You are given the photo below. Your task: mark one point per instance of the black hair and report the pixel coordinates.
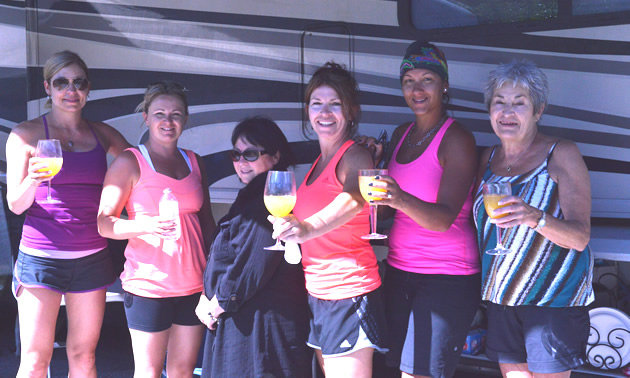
(263, 132)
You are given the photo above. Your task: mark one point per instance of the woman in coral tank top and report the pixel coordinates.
(163, 274)
(329, 218)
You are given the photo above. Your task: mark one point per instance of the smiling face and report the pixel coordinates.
(166, 118)
(69, 99)
(325, 113)
(512, 112)
(423, 90)
(247, 170)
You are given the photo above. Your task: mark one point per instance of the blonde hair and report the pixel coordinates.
(59, 61)
(159, 88)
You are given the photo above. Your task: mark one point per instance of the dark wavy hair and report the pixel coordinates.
(263, 132)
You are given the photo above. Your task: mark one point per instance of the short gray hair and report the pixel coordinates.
(522, 73)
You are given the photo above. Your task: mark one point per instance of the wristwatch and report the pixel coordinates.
(541, 222)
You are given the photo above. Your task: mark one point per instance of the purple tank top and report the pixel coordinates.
(68, 229)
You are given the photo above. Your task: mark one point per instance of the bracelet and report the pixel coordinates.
(216, 320)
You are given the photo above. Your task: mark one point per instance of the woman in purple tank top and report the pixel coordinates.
(61, 252)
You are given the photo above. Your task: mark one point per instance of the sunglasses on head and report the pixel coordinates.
(61, 83)
(249, 154)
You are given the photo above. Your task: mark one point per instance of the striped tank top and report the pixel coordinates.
(538, 272)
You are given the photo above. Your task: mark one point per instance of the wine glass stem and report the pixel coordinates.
(278, 244)
(373, 219)
(499, 241)
(48, 197)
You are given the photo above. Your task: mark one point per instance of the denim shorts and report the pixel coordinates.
(159, 314)
(344, 326)
(548, 339)
(83, 274)
(428, 316)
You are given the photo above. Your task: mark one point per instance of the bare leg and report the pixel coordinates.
(183, 348)
(356, 365)
(522, 371)
(149, 350)
(85, 318)
(37, 311)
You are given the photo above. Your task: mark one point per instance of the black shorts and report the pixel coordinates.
(548, 339)
(428, 316)
(159, 314)
(340, 327)
(83, 274)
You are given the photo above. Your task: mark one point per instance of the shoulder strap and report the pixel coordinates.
(145, 154)
(45, 126)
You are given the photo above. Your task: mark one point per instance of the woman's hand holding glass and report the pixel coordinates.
(280, 197)
(492, 194)
(50, 156)
(373, 195)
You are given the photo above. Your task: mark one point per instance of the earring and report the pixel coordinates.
(445, 90)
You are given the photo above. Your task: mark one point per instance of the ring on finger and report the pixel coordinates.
(389, 195)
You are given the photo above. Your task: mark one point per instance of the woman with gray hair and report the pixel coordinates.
(536, 294)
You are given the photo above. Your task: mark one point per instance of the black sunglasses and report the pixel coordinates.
(249, 154)
(61, 83)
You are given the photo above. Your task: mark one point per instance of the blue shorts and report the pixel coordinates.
(548, 339)
(343, 326)
(83, 274)
(159, 314)
(428, 316)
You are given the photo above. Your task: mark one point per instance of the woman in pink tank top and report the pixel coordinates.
(61, 253)
(432, 281)
(330, 216)
(163, 275)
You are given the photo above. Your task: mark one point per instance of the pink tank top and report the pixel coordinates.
(415, 249)
(338, 264)
(158, 268)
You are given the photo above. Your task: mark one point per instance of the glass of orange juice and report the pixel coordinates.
(279, 197)
(49, 152)
(492, 193)
(366, 176)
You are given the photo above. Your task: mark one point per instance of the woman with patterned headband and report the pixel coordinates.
(432, 274)
(61, 252)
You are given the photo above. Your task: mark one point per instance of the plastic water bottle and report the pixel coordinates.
(169, 209)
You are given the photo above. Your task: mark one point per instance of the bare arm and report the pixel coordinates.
(206, 219)
(119, 181)
(458, 157)
(114, 142)
(23, 177)
(568, 170)
(342, 209)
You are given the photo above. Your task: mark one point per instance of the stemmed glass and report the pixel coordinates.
(492, 193)
(366, 176)
(49, 152)
(280, 197)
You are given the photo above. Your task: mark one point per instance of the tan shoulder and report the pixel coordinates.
(125, 162)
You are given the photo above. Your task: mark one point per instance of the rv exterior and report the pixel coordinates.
(247, 57)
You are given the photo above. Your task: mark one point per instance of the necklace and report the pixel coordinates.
(508, 167)
(434, 129)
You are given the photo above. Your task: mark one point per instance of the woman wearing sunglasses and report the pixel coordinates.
(162, 277)
(61, 252)
(255, 302)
